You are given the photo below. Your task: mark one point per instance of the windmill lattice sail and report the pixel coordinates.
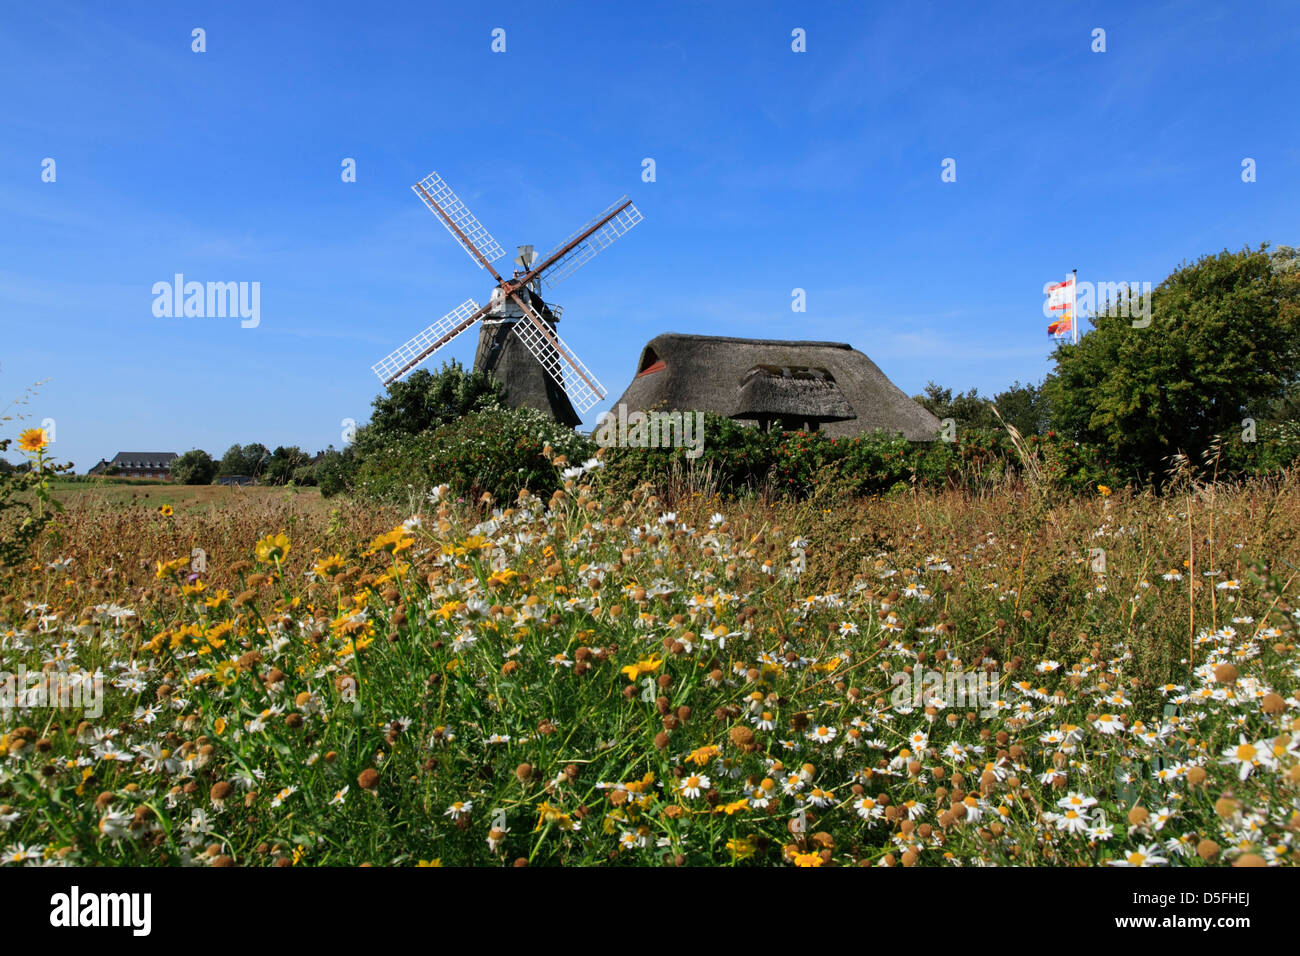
(420, 347)
(469, 232)
(627, 216)
(553, 355)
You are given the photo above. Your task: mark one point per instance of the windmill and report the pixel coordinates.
(518, 344)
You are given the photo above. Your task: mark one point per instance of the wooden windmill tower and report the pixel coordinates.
(518, 344)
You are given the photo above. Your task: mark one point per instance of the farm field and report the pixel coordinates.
(127, 494)
(937, 678)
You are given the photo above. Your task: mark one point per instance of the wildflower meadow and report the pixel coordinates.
(665, 677)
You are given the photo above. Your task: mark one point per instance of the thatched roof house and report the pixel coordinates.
(825, 386)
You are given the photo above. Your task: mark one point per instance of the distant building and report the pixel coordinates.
(138, 464)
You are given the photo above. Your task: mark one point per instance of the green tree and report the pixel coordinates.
(334, 472)
(967, 410)
(1221, 345)
(1025, 407)
(248, 460)
(195, 467)
(423, 402)
(282, 464)
(232, 462)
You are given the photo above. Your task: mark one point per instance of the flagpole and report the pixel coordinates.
(1074, 306)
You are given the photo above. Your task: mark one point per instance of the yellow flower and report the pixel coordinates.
(166, 511)
(357, 643)
(703, 755)
(327, 567)
(216, 634)
(808, 859)
(395, 541)
(226, 673)
(548, 814)
(634, 671)
(447, 610)
(34, 439)
(168, 568)
(272, 548)
(502, 578)
(434, 862)
(741, 848)
(1103, 491)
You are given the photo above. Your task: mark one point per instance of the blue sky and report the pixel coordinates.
(775, 170)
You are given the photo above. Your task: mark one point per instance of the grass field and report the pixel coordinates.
(181, 497)
(937, 679)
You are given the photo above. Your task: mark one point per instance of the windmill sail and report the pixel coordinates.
(459, 221)
(555, 357)
(419, 348)
(564, 261)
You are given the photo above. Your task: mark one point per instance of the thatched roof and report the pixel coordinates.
(716, 374)
(791, 394)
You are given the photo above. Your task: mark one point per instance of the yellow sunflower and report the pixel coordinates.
(34, 439)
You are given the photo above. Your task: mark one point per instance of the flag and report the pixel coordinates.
(1061, 295)
(1060, 298)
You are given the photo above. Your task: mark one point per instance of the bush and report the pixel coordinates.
(335, 472)
(425, 401)
(740, 460)
(195, 467)
(1274, 446)
(497, 452)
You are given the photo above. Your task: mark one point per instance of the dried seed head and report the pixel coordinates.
(1225, 807)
